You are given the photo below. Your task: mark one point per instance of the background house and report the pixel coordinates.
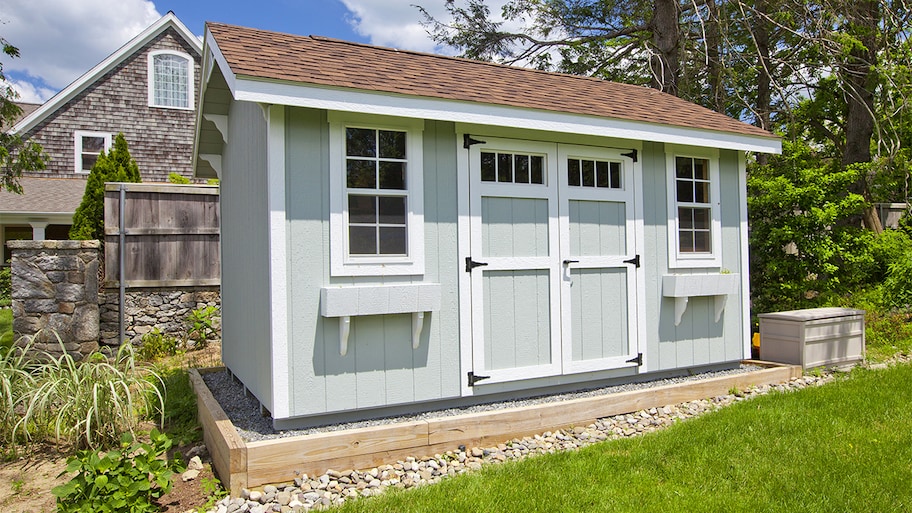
(405, 231)
(146, 89)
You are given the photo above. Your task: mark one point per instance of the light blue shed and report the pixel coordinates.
(405, 231)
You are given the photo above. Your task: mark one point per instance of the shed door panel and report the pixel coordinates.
(552, 228)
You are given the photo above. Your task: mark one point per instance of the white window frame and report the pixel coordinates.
(77, 145)
(342, 263)
(190, 79)
(677, 259)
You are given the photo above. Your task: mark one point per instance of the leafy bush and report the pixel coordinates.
(6, 286)
(156, 344)
(114, 166)
(180, 406)
(178, 179)
(90, 403)
(202, 325)
(897, 288)
(126, 480)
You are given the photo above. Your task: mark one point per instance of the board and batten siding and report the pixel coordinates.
(246, 340)
(698, 340)
(380, 368)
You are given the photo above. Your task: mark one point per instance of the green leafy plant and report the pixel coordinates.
(179, 416)
(128, 479)
(897, 288)
(89, 404)
(114, 166)
(202, 325)
(178, 179)
(156, 344)
(6, 286)
(16, 380)
(212, 487)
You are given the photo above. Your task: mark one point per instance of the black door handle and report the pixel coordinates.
(568, 262)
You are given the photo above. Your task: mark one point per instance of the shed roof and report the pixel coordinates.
(321, 61)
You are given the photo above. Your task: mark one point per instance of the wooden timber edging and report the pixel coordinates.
(245, 465)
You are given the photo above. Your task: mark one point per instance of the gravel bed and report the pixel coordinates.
(244, 411)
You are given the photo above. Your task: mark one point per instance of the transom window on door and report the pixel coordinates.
(88, 146)
(693, 209)
(376, 197)
(512, 168)
(593, 173)
(170, 80)
(376, 175)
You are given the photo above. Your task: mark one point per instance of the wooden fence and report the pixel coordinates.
(170, 235)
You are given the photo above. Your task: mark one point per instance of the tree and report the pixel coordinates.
(114, 166)
(16, 155)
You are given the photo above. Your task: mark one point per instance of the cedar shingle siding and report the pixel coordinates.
(160, 139)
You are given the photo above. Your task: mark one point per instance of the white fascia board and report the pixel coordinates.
(72, 90)
(348, 100)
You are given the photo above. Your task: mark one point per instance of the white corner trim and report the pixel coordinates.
(70, 91)
(745, 256)
(278, 264)
(463, 243)
(350, 100)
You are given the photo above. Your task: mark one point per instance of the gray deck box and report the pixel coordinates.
(813, 337)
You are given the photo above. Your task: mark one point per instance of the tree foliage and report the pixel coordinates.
(16, 154)
(114, 166)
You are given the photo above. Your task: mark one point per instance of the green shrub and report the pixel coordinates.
(202, 325)
(91, 403)
(179, 417)
(114, 166)
(129, 479)
(178, 179)
(156, 344)
(6, 286)
(897, 288)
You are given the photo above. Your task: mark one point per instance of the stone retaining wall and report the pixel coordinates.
(55, 294)
(163, 308)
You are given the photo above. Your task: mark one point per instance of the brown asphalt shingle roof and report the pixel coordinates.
(58, 195)
(332, 62)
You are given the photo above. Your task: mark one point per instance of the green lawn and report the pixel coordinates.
(6, 328)
(846, 446)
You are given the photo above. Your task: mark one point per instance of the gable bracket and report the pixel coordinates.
(632, 154)
(467, 141)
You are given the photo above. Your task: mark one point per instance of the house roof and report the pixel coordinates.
(44, 196)
(27, 108)
(253, 59)
(167, 21)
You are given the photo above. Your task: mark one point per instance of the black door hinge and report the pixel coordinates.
(475, 379)
(632, 154)
(638, 360)
(635, 261)
(470, 264)
(467, 141)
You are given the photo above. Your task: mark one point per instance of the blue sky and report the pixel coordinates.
(59, 40)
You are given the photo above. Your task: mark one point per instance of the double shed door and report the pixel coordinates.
(553, 285)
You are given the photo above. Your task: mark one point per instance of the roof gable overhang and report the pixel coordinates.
(300, 94)
(169, 20)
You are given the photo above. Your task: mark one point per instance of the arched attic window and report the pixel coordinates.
(170, 80)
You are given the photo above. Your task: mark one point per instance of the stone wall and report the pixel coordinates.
(163, 308)
(55, 294)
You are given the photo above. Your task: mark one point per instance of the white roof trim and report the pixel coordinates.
(70, 91)
(373, 102)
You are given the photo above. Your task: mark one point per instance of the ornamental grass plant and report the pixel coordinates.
(90, 403)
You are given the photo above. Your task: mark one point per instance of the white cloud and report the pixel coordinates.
(28, 92)
(59, 40)
(393, 23)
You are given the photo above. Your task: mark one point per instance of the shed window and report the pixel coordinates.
(377, 211)
(170, 80)
(88, 146)
(693, 209)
